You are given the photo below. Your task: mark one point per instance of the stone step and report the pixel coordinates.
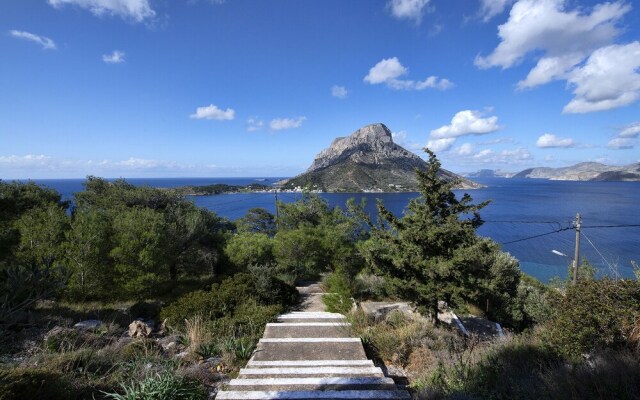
(309, 395)
(309, 363)
(307, 329)
(315, 383)
(321, 349)
(312, 316)
(292, 372)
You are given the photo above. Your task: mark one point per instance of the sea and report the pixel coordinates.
(530, 218)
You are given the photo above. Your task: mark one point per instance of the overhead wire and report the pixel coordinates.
(611, 267)
(540, 235)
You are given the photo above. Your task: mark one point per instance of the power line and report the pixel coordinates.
(613, 226)
(614, 270)
(540, 235)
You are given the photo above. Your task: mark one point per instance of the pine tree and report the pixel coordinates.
(433, 252)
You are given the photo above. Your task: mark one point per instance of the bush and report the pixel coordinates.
(34, 383)
(340, 294)
(145, 309)
(249, 248)
(188, 306)
(160, 386)
(594, 315)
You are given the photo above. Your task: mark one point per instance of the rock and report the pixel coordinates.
(88, 325)
(379, 309)
(368, 160)
(140, 328)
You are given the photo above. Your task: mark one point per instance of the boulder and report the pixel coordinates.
(88, 325)
(139, 328)
(379, 309)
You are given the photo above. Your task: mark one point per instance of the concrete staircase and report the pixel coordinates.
(310, 355)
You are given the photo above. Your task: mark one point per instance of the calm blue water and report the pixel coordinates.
(518, 209)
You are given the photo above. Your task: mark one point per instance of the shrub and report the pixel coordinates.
(145, 309)
(340, 294)
(594, 315)
(187, 306)
(161, 386)
(34, 383)
(249, 248)
(224, 299)
(63, 339)
(140, 349)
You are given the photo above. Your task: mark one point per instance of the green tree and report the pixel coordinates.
(42, 235)
(433, 253)
(17, 198)
(246, 249)
(87, 247)
(195, 238)
(257, 220)
(139, 251)
(299, 252)
(311, 210)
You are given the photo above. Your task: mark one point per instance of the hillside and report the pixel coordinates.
(587, 171)
(366, 161)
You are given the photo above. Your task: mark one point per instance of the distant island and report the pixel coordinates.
(366, 161)
(221, 188)
(586, 171)
(489, 173)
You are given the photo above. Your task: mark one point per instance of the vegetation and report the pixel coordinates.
(121, 252)
(433, 252)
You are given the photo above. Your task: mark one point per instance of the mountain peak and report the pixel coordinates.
(366, 160)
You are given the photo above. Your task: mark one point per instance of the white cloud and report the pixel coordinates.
(43, 41)
(630, 131)
(549, 140)
(279, 124)
(621, 143)
(213, 112)
(491, 8)
(465, 149)
(340, 92)
(385, 70)
(116, 57)
(608, 79)
(545, 26)
(437, 145)
(389, 70)
(29, 160)
(254, 124)
(408, 9)
(136, 10)
(560, 40)
(467, 122)
(506, 157)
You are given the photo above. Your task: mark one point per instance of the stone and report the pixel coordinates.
(380, 309)
(88, 325)
(140, 328)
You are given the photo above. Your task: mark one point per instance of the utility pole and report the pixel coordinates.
(576, 258)
(277, 213)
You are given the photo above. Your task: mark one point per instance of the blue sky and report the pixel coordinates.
(161, 88)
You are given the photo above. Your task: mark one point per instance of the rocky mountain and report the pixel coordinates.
(366, 161)
(587, 171)
(489, 173)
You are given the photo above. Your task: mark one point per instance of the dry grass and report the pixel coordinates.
(196, 332)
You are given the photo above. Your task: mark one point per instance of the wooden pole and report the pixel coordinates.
(576, 258)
